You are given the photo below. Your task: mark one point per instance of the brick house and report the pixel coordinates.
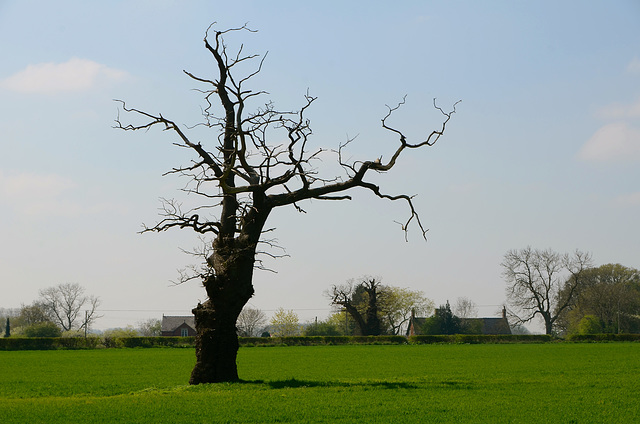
(483, 325)
(180, 326)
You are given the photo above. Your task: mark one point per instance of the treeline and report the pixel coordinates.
(571, 295)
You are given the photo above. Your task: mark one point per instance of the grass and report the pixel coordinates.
(512, 383)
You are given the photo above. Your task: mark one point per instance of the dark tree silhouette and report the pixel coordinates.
(361, 302)
(246, 177)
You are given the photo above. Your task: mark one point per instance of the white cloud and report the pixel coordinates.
(71, 76)
(613, 142)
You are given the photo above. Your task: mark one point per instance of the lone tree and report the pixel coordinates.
(246, 174)
(534, 280)
(65, 304)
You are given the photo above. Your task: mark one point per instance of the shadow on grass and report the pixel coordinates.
(393, 385)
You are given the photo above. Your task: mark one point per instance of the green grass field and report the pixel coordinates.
(506, 383)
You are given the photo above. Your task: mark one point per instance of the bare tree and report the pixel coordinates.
(465, 308)
(360, 300)
(250, 322)
(151, 327)
(68, 306)
(534, 278)
(243, 177)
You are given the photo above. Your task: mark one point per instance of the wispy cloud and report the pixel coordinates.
(618, 140)
(52, 78)
(634, 66)
(620, 111)
(614, 142)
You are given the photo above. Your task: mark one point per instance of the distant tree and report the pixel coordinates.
(151, 327)
(285, 324)
(443, 322)
(43, 329)
(465, 308)
(534, 278)
(518, 328)
(251, 322)
(259, 160)
(611, 293)
(341, 320)
(7, 329)
(127, 331)
(323, 328)
(32, 314)
(397, 304)
(67, 306)
(360, 300)
(589, 324)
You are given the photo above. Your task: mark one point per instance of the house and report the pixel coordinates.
(182, 326)
(480, 325)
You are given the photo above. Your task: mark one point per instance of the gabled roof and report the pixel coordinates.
(483, 325)
(170, 323)
(491, 325)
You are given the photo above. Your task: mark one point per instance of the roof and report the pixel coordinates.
(483, 325)
(491, 325)
(170, 323)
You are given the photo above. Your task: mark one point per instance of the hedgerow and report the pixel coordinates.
(608, 337)
(482, 338)
(94, 342)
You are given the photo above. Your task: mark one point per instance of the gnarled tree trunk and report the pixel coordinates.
(229, 288)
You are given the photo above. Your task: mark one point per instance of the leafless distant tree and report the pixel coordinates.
(151, 327)
(250, 322)
(534, 279)
(242, 178)
(69, 307)
(465, 308)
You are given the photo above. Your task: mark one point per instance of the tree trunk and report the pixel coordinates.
(216, 346)
(548, 324)
(229, 289)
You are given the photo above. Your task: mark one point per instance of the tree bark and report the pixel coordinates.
(229, 289)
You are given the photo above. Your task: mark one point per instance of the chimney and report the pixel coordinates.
(504, 312)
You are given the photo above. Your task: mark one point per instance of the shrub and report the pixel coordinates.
(43, 329)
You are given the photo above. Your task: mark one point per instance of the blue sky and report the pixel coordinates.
(544, 149)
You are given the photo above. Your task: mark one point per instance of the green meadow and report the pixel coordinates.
(492, 383)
